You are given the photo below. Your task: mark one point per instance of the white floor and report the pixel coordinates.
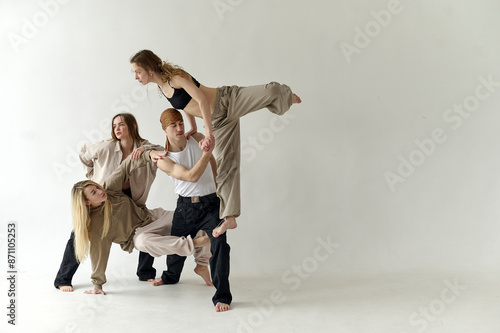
(385, 303)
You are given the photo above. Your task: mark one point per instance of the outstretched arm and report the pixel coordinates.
(200, 97)
(145, 145)
(116, 180)
(181, 172)
(213, 164)
(192, 123)
(99, 255)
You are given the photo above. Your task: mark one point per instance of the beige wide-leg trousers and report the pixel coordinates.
(155, 239)
(232, 103)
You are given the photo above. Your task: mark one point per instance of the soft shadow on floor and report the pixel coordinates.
(385, 303)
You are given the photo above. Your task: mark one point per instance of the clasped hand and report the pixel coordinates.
(208, 143)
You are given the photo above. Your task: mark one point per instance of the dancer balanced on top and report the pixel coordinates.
(221, 108)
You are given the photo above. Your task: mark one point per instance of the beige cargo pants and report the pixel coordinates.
(232, 103)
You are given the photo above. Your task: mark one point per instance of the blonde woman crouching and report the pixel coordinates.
(103, 215)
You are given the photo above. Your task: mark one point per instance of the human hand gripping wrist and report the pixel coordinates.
(207, 146)
(208, 143)
(157, 155)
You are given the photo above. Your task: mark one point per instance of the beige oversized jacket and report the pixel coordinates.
(126, 217)
(100, 159)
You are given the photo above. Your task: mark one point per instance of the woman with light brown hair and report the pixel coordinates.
(221, 109)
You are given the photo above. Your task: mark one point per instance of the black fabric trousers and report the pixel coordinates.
(69, 264)
(189, 218)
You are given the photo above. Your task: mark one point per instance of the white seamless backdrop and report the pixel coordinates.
(393, 156)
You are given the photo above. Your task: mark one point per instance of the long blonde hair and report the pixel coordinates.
(81, 218)
(150, 61)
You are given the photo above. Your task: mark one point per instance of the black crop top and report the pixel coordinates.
(180, 98)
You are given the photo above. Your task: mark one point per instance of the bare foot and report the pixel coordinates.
(296, 99)
(201, 241)
(204, 273)
(156, 282)
(221, 307)
(229, 223)
(65, 288)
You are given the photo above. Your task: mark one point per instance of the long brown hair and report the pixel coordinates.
(133, 128)
(151, 62)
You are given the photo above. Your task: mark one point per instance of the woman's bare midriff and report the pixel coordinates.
(193, 107)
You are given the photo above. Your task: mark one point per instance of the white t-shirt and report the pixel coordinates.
(188, 158)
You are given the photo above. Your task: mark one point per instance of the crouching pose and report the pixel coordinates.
(103, 215)
(193, 172)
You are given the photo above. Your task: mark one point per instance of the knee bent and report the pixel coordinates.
(139, 242)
